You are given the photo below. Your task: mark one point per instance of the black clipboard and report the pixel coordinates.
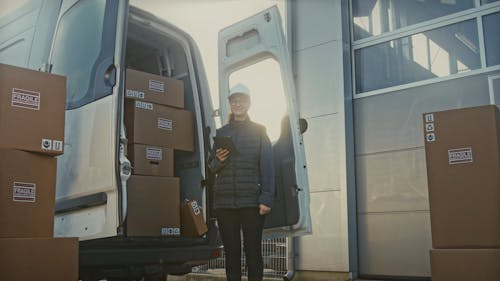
(226, 143)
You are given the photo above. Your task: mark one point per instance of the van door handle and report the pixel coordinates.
(110, 76)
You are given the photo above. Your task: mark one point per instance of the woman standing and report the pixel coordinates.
(244, 187)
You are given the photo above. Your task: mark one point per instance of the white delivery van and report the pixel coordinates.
(92, 43)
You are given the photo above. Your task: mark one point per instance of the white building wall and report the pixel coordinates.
(318, 52)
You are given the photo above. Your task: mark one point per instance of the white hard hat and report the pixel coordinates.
(239, 89)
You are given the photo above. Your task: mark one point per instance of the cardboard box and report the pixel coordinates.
(27, 194)
(151, 160)
(153, 206)
(158, 125)
(463, 171)
(154, 88)
(465, 264)
(32, 108)
(41, 259)
(192, 221)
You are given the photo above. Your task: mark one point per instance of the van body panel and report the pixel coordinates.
(26, 34)
(244, 44)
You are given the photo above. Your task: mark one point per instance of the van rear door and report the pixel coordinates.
(249, 51)
(88, 49)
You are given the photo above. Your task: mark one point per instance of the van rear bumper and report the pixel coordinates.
(140, 253)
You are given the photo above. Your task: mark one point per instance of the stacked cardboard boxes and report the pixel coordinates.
(156, 124)
(32, 108)
(463, 170)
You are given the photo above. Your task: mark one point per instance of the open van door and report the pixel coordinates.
(88, 50)
(253, 51)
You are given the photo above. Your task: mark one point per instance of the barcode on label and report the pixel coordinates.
(154, 153)
(196, 208)
(157, 86)
(460, 155)
(170, 231)
(144, 105)
(165, 124)
(134, 94)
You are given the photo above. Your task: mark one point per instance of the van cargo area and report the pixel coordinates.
(156, 52)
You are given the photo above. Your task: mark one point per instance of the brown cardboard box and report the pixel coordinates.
(465, 264)
(153, 206)
(41, 259)
(27, 194)
(32, 108)
(463, 171)
(158, 125)
(192, 221)
(154, 88)
(151, 160)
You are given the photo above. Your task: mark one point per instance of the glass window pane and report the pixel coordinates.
(374, 17)
(77, 46)
(268, 96)
(434, 53)
(488, 1)
(491, 24)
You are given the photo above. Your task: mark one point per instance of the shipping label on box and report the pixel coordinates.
(37, 100)
(27, 194)
(192, 220)
(151, 160)
(153, 206)
(24, 192)
(158, 125)
(154, 88)
(463, 166)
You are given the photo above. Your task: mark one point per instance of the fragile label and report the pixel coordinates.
(429, 117)
(430, 137)
(23, 192)
(46, 144)
(429, 127)
(165, 124)
(196, 208)
(144, 105)
(57, 145)
(170, 231)
(154, 153)
(460, 155)
(157, 86)
(25, 99)
(134, 94)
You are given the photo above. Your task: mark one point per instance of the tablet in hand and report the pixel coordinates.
(225, 143)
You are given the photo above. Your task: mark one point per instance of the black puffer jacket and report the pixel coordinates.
(245, 179)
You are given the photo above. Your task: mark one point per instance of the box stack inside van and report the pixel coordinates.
(163, 124)
(156, 124)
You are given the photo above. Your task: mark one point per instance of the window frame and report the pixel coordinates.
(474, 13)
(109, 24)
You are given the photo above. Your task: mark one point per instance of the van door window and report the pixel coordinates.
(268, 97)
(83, 42)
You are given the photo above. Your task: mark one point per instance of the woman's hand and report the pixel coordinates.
(263, 209)
(222, 154)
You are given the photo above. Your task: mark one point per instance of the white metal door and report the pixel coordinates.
(259, 40)
(87, 49)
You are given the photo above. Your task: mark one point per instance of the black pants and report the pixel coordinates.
(251, 223)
